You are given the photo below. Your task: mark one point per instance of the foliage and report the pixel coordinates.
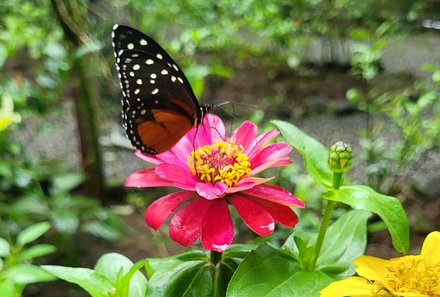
(31, 192)
(114, 275)
(16, 270)
(413, 113)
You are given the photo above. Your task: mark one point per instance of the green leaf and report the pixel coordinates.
(345, 240)
(190, 278)
(94, 283)
(24, 274)
(100, 229)
(269, 272)
(388, 208)
(172, 262)
(66, 221)
(114, 266)
(239, 251)
(63, 183)
(314, 153)
(32, 232)
(38, 250)
(7, 287)
(5, 248)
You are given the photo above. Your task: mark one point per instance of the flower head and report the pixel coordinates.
(407, 276)
(212, 172)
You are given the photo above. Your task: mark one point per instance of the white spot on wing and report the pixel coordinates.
(136, 67)
(159, 56)
(149, 61)
(139, 81)
(155, 91)
(130, 46)
(164, 72)
(143, 42)
(153, 75)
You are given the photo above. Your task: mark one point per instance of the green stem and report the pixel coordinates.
(337, 179)
(215, 259)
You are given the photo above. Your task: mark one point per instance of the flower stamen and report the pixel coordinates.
(223, 161)
(412, 274)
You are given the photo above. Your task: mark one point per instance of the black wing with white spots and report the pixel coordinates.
(150, 80)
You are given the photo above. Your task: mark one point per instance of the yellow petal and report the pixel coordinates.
(431, 247)
(353, 286)
(370, 267)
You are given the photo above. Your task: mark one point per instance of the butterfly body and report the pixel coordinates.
(158, 106)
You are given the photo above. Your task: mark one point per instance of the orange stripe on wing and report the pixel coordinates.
(165, 131)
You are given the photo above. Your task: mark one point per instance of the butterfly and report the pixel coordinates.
(158, 106)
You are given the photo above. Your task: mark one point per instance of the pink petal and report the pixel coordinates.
(159, 211)
(275, 194)
(270, 164)
(245, 135)
(261, 141)
(275, 151)
(280, 213)
(210, 191)
(217, 228)
(215, 127)
(185, 226)
(174, 156)
(256, 217)
(181, 178)
(145, 179)
(183, 148)
(147, 158)
(211, 129)
(247, 183)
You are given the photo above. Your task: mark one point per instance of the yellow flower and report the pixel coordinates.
(407, 276)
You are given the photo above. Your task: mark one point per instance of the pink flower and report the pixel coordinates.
(220, 171)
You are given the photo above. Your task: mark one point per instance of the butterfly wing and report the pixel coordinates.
(158, 104)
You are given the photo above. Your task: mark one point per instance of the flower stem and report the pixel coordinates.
(215, 259)
(337, 179)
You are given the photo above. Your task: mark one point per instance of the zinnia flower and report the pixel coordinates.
(212, 171)
(407, 276)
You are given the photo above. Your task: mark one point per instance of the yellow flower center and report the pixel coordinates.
(413, 274)
(223, 161)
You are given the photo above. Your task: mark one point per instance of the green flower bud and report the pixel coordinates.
(339, 158)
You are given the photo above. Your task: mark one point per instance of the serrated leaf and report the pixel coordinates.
(268, 272)
(114, 266)
(25, 274)
(388, 208)
(315, 155)
(32, 232)
(36, 251)
(5, 248)
(345, 240)
(94, 283)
